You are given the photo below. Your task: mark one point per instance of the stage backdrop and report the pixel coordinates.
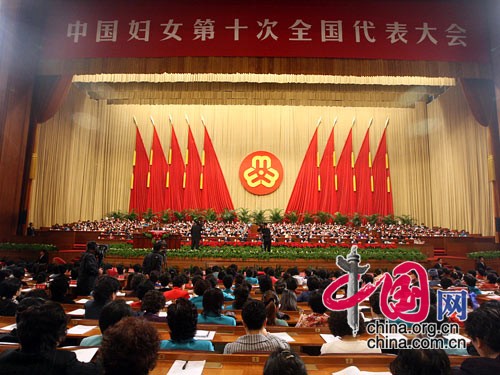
(437, 153)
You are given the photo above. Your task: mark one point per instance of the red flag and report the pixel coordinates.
(305, 193)
(214, 192)
(363, 173)
(328, 193)
(382, 202)
(192, 191)
(346, 180)
(158, 197)
(138, 185)
(175, 174)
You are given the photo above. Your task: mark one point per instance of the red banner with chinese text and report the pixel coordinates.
(386, 29)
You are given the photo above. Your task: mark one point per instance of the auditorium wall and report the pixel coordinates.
(437, 154)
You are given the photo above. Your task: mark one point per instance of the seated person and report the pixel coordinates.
(490, 283)
(318, 318)
(257, 339)
(120, 352)
(22, 306)
(152, 303)
(40, 330)
(250, 276)
(140, 291)
(313, 283)
(374, 300)
(58, 288)
(213, 303)
(288, 301)
(105, 291)
(10, 289)
(178, 290)
(227, 281)
(265, 283)
(199, 288)
(483, 327)
(270, 299)
(420, 361)
(347, 344)
(284, 362)
(241, 294)
(182, 318)
(471, 281)
(111, 314)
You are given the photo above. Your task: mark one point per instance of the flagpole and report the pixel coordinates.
(335, 158)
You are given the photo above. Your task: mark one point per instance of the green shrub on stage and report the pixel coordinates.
(247, 252)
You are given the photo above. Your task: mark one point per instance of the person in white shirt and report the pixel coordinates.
(346, 343)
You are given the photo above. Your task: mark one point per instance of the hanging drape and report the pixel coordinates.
(346, 179)
(175, 173)
(158, 194)
(48, 95)
(480, 95)
(327, 201)
(304, 196)
(86, 152)
(382, 202)
(192, 191)
(363, 173)
(139, 189)
(214, 192)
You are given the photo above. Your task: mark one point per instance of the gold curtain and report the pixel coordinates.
(461, 194)
(86, 151)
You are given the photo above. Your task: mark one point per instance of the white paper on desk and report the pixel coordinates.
(85, 355)
(353, 370)
(9, 327)
(80, 329)
(456, 336)
(77, 312)
(82, 300)
(204, 335)
(191, 368)
(120, 294)
(162, 314)
(282, 335)
(329, 337)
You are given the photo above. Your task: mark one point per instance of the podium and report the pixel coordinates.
(173, 241)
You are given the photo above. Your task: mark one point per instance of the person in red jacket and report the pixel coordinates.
(178, 290)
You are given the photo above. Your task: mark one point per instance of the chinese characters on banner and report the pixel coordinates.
(389, 30)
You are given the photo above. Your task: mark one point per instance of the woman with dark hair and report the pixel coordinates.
(421, 361)
(213, 302)
(182, 318)
(105, 291)
(40, 329)
(318, 318)
(241, 294)
(152, 303)
(288, 300)
(284, 362)
(271, 301)
(9, 290)
(200, 287)
(120, 353)
(347, 344)
(58, 290)
(111, 314)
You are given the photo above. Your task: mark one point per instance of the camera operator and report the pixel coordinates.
(89, 269)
